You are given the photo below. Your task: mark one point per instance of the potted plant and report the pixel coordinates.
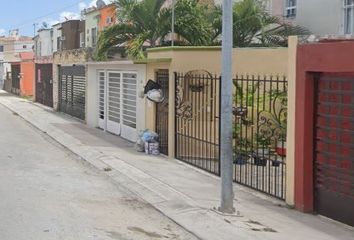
(281, 147)
(242, 147)
(261, 153)
(279, 117)
(241, 152)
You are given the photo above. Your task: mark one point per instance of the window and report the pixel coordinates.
(59, 46)
(1, 48)
(24, 46)
(82, 39)
(94, 36)
(290, 8)
(109, 20)
(348, 16)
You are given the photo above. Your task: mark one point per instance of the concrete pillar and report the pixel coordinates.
(290, 156)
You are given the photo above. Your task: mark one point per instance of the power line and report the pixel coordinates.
(30, 21)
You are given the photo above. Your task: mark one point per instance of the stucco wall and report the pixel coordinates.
(263, 61)
(56, 34)
(91, 21)
(321, 16)
(245, 60)
(46, 43)
(290, 141)
(92, 88)
(65, 58)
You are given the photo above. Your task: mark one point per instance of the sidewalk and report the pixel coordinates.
(182, 193)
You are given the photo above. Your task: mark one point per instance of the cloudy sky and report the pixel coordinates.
(23, 14)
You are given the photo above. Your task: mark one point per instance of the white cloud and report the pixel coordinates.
(83, 5)
(2, 31)
(64, 16)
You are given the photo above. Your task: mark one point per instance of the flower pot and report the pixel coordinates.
(240, 158)
(259, 157)
(260, 161)
(281, 148)
(275, 163)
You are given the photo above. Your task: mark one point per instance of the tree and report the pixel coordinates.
(255, 27)
(146, 23)
(198, 24)
(141, 23)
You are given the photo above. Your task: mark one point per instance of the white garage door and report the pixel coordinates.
(117, 103)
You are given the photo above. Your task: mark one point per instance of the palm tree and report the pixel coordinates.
(255, 27)
(146, 23)
(198, 23)
(141, 23)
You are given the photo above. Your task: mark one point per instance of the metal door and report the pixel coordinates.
(102, 101)
(117, 103)
(162, 111)
(15, 75)
(197, 120)
(334, 147)
(114, 102)
(128, 105)
(72, 91)
(44, 84)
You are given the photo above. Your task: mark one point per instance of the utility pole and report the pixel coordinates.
(34, 29)
(226, 153)
(173, 23)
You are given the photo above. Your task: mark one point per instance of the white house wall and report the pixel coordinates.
(56, 34)
(92, 100)
(46, 40)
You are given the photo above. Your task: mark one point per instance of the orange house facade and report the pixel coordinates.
(22, 74)
(107, 16)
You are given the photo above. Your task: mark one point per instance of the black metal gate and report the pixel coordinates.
(260, 118)
(72, 90)
(162, 77)
(259, 130)
(44, 84)
(15, 77)
(197, 120)
(334, 147)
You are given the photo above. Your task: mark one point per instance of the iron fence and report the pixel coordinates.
(260, 118)
(197, 120)
(259, 129)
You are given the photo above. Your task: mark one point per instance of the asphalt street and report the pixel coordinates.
(48, 193)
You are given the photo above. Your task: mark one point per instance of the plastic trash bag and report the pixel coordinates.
(155, 95)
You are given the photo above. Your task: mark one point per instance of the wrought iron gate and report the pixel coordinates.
(15, 77)
(72, 88)
(162, 111)
(260, 118)
(44, 84)
(197, 120)
(259, 130)
(334, 147)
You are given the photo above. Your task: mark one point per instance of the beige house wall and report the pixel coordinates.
(65, 58)
(262, 61)
(150, 113)
(290, 156)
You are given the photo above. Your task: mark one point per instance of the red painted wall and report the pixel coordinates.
(329, 57)
(27, 78)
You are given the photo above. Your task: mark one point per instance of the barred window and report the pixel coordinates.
(290, 8)
(349, 16)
